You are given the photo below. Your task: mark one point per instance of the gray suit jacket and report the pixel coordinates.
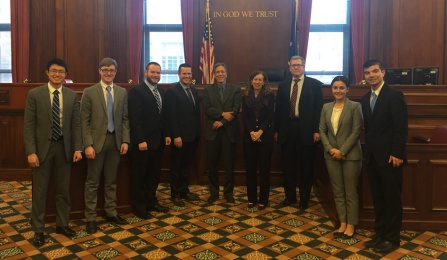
(349, 129)
(214, 105)
(94, 117)
(38, 122)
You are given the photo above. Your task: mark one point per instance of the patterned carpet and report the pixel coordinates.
(201, 231)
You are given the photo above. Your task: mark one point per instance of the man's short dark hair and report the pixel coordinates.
(183, 65)
(58, 62)
(152, 63)
(220, 64)
(370, 63)
(108, 62)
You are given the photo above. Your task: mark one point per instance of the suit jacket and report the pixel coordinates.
(147, 124)
(214, 105)
(264, 121)
(183, 117)
(386, 129)
(38, 122)
(310, 104)
(349, 128)
(94, 116)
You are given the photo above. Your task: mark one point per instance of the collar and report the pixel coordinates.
(52, 89)
(104, 85)
(151, 87)
(377, 91)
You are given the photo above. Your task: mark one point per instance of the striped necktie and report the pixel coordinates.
(57, 133)
(293, 98)
(157, 99)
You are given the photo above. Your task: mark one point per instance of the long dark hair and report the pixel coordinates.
(265, 90)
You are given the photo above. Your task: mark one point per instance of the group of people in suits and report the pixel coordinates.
(383, 113)
(110, 123)
(57, 130)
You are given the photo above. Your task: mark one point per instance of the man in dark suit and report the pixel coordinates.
(221, 105)
(298, 106)
(149, 136)
(184, 123)
(52, 136)
(386, 130)
(105, 135)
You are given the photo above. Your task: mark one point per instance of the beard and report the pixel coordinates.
(151, 81)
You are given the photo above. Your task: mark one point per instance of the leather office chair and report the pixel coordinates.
(275, 74)
(439, 136)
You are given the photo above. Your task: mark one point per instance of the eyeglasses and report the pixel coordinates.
(57, 71)
(296, 65)
(108, 71)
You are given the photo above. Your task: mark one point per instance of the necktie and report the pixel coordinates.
(373, 100)
(293, 98)
(57, 133)
(191, 99)
(221, 88)
(157, 99)
(110, 124)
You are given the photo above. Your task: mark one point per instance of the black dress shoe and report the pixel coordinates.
(191, 197)
(143, 215)
(66, 231)
(158, 208)
(303, 206)
(284, 203)
(39, 239)
(346, 236)
(117, 220)
(230, 199)
(375, 240)
(90, 227)
(251, 205)
(212, 199)
(261, 207)
(338, 234)
(385, 247)
(178, 202)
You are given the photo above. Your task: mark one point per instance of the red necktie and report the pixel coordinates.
(293, 98)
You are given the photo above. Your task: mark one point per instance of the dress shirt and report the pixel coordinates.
(300, 87)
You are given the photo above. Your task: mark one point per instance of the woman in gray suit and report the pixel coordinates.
(340, 127)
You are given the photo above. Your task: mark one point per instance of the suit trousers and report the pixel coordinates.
(344, 177)
(108, 160)
(181, 161)
(386, 189)
(57, 163)
(296, 156)
(221, 144)
(258, 156)
(145, 177)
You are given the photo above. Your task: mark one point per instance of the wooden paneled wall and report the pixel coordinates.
(407, 33)
(401, 33)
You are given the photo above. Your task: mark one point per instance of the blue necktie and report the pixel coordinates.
(373, 101)
(57, 133)
(222, 89)
(157, 99)
(110, 124)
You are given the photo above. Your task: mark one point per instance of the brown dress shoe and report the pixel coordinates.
(178, 202)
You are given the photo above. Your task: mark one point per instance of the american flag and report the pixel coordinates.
(207, 51)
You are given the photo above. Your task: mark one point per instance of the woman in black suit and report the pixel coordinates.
(258, 112)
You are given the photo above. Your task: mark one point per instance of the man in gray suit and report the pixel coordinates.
(221, 105)
(105, 135)
(52, 137)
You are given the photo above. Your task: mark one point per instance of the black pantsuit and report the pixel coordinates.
(258, 156)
